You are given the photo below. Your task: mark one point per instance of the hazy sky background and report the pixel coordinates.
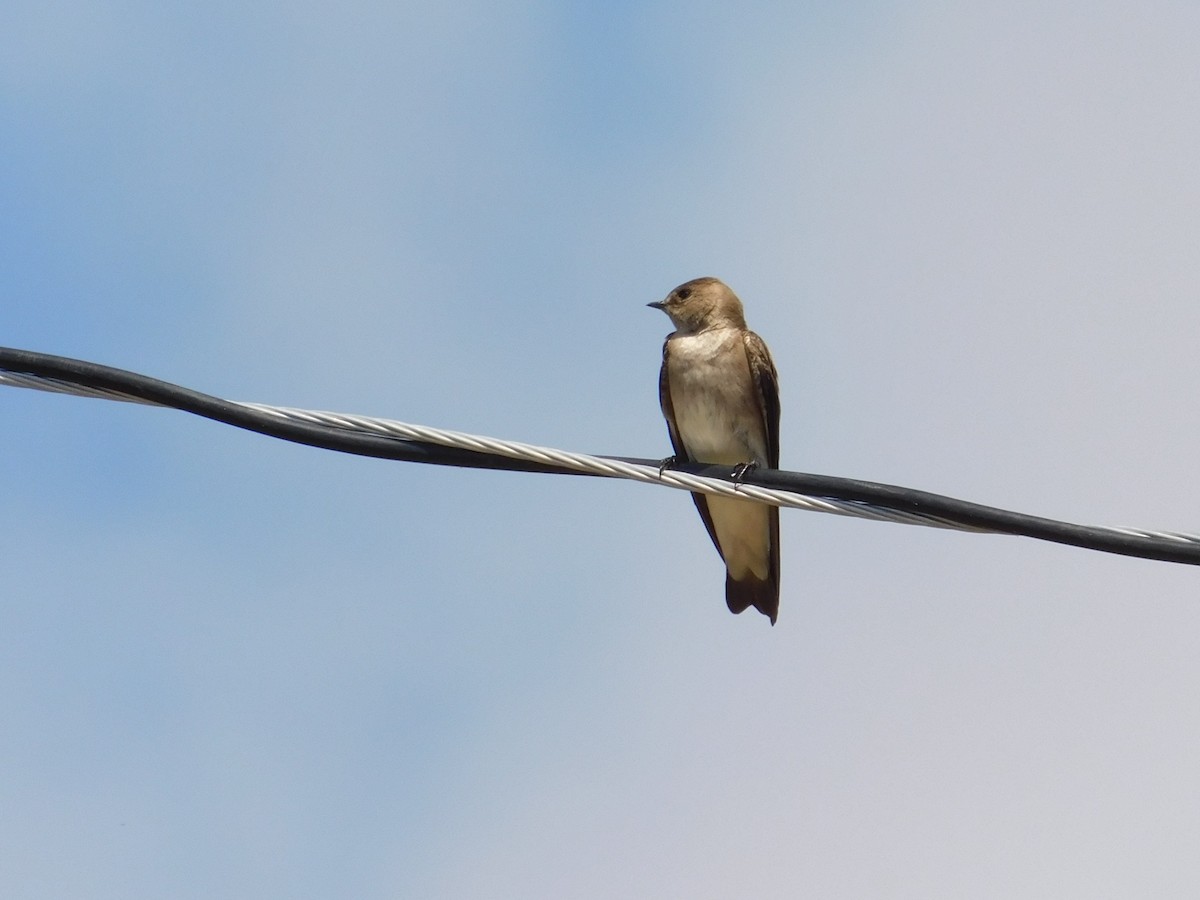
(234, 667)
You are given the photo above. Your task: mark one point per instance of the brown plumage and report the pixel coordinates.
(720, 396)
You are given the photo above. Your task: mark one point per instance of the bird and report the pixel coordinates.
(719, 393)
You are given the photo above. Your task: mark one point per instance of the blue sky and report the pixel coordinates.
(235, 667)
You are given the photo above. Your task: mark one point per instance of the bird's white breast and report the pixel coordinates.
(717, 411)
(719, 420)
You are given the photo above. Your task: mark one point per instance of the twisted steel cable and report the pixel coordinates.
(390, 439)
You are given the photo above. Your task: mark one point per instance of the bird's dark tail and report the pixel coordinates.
(762, 594)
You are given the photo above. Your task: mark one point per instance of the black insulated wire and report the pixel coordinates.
(1164, 548)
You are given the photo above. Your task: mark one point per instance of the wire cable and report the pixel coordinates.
(389, 439)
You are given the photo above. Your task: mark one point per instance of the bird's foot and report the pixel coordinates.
(740, 472)
(668, 463)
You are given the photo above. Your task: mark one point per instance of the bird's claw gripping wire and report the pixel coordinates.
(668, 463)
(740, 472)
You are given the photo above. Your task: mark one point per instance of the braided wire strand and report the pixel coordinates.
(19, 368)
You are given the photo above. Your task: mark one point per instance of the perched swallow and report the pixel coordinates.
(720, 396)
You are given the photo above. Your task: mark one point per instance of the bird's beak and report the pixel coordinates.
(657, 304)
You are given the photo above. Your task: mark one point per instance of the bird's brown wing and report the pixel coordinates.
(681, 451)
(766, 380)
(763, 595)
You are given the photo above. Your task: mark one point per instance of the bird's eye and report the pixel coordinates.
(684, 293)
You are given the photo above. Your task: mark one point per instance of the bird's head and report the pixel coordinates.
(700, 304)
